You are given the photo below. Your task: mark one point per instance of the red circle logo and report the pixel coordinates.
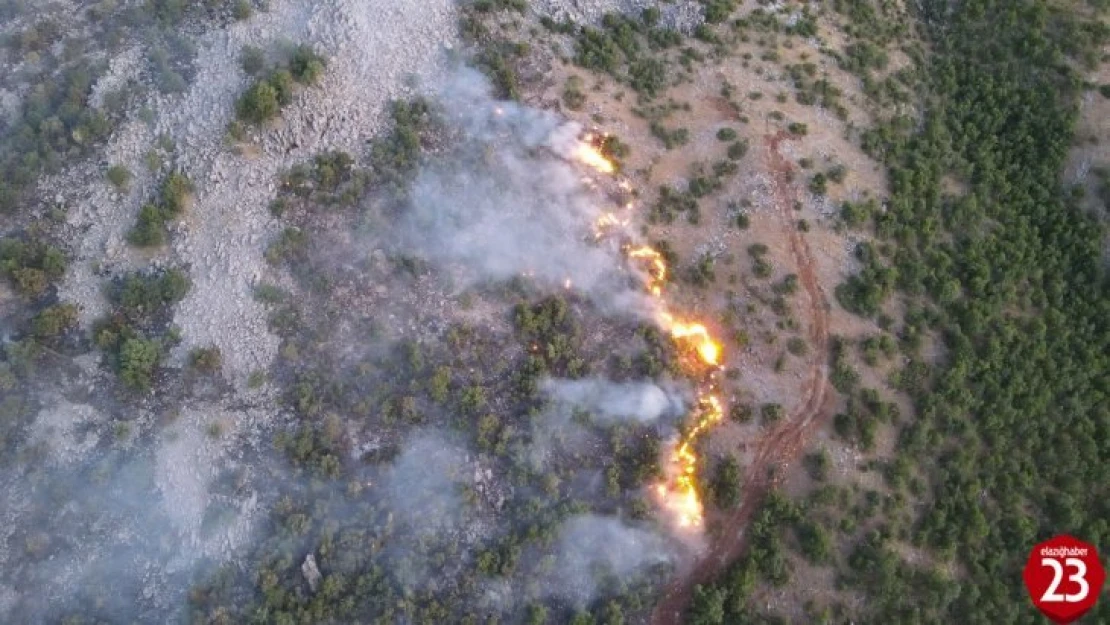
(1064, 578)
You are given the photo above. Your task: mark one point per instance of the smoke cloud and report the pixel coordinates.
(423, 485)
(505, 202)
(611, 402)
(594, 550)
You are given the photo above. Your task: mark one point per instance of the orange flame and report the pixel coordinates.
(696, 334)
(587, 154)
(680, 495)
(658, 268)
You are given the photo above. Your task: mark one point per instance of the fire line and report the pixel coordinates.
(678, 493)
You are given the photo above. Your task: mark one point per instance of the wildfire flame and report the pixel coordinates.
(657, 268)
(696, 334)
(678, 494)
(588, 154)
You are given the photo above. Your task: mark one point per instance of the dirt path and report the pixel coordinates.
(782, 445)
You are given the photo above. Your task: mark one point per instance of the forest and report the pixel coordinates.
(1008, 441)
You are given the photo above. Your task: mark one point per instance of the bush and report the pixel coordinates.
(206, 359)
(31, 266)
(818, 185)
(798, 128)
(242, 10)
(740, 413)
(54, 320)
(175, 189)
(306, 66)
(282, 82)
(140, 296)
(725, 485)
(797, 346)
(150, 231)
(817, 465)
(259, 104)
(138, 359)
(119, 176)
(573, 96)
(771, 413)
(252, 59)
(726, 134)
(737, 150)
(717, 11)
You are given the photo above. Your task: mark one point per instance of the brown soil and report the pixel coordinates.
(780, 446)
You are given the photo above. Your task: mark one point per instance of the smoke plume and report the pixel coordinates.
(505, 202)
(611, 402)
(594, 550)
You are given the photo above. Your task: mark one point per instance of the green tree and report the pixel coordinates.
(259, 104)
(137, 361)
(726, 483)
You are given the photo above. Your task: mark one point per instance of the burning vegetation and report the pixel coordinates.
(679, 493)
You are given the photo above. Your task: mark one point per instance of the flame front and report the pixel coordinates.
(695, 334)
(657, 268)
(589, 154)
(678, 494)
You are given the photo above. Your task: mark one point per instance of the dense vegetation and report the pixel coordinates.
(628, 48)
(1008, 443)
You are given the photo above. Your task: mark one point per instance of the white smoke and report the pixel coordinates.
(507, 202)
(592, 550)
(611, 402)
(424, 484)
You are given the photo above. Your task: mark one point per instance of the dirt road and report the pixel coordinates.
(782, 445)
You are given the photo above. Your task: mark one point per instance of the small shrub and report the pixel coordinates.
(252, 59)
(242, 10)
(138, 360)
(175, 189)
(797, 346)
(259, 104)
(741, 413)
(54, 320)
(818, 185)
(771, 413)
(737, 150)
(817, 465)
(150, 231)
(725, 485)
(726, 134)
(306, 66)
(573, 96)
(798, 128)
(206, 359)
(119, 176)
